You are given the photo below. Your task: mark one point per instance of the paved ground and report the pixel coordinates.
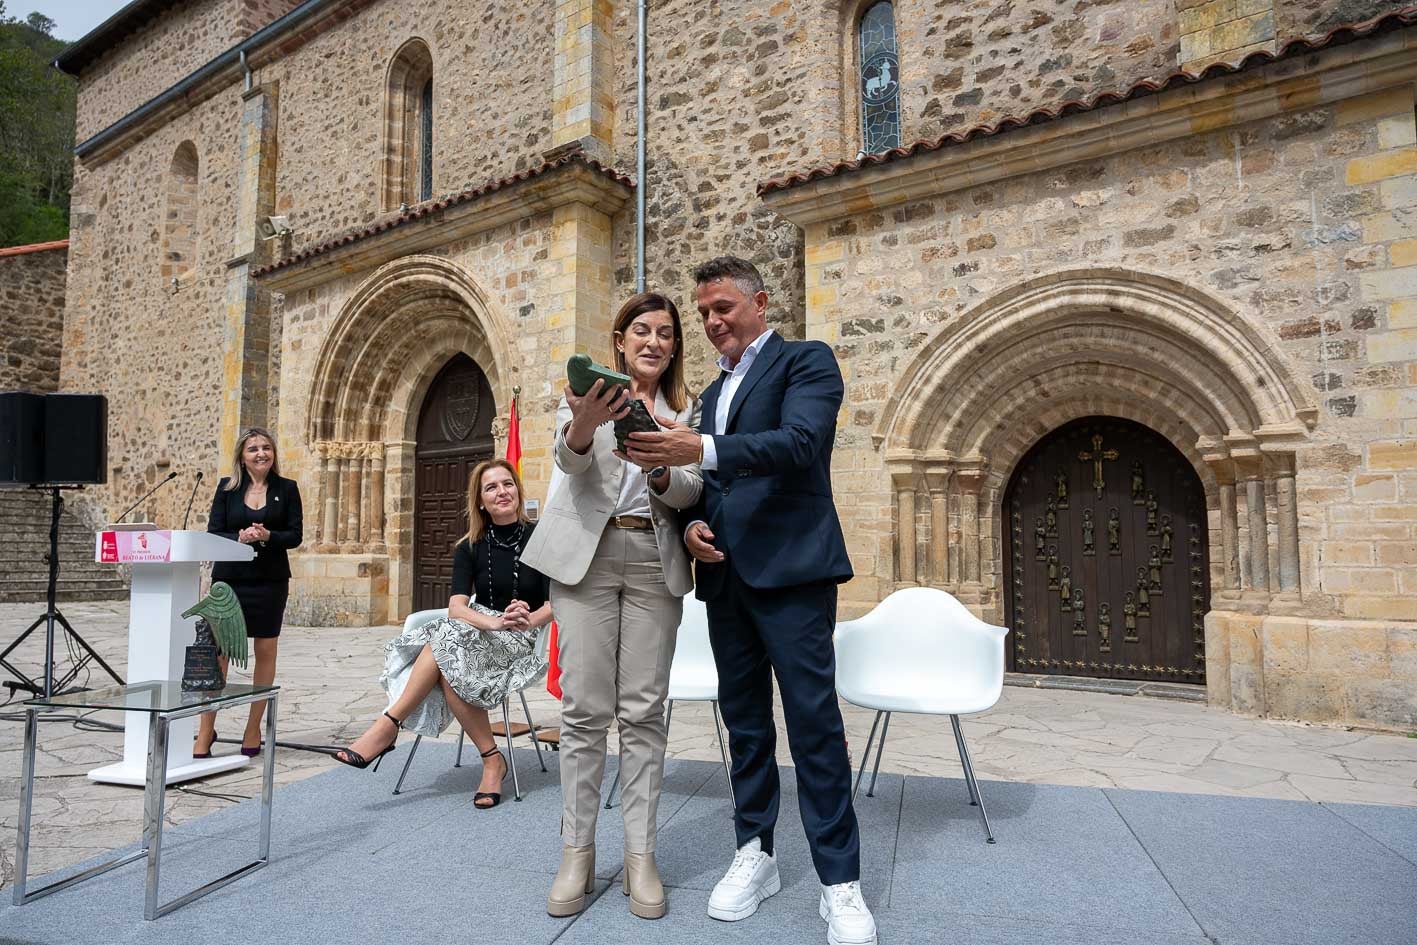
(1072, 866)
(1034, 736)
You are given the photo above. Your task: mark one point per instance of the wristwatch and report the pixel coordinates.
(658, 471)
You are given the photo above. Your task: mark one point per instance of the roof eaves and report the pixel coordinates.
(1395, 20)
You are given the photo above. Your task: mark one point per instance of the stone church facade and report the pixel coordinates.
(1125, 294)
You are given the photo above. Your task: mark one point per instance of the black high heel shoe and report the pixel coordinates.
(355, 760)
(495, 796)
(196, 755)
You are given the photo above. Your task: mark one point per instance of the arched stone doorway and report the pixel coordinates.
(1105, 555)
(399, 330)
(454, 435)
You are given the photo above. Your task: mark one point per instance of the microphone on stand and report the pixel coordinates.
(170, 476)
(190, 498)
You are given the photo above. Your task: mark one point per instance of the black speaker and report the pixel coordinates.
(75, 438)
(21, 437)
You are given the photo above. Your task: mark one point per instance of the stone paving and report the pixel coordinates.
(1033, 735)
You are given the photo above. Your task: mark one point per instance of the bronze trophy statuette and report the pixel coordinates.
(221, 631)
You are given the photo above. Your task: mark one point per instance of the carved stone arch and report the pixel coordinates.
(1203, 337)
(1080, 343)
(405, 308)
(387, 344)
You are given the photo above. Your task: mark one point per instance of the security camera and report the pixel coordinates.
(271, 227)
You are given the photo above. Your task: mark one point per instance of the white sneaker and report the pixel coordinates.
(849, 922)
(751, 879)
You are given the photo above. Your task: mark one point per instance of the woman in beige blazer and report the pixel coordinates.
(609, 539)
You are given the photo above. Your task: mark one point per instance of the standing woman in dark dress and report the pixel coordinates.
(461, 665)
(256, 506)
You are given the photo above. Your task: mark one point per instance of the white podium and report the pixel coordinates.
(166, 577)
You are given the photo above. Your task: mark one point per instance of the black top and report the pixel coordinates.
(470, 575)
(281, 514)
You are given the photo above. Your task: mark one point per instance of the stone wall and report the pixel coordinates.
(154, 348)
(491, 108)
(32, 313)
(1302, 224)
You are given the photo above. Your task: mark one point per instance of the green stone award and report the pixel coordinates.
(221, 631)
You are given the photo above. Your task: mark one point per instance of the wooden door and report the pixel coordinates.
(1105, 556)
(454, 435)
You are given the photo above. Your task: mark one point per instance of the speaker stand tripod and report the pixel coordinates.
(47, 686)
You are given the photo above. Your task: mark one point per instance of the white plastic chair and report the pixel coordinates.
(693, 677)
(420, 617)
(921, 651)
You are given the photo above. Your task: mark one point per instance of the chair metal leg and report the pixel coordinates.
(532, 726)
(959, 746)
(866, 756)
(880, 749)
(723, 751)
(969, 777)
(408, 762)
(462, 736)
(610, 798)
(511, 757)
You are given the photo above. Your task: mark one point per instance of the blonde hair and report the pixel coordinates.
(478, 518)
(238, 468)
(676, 392)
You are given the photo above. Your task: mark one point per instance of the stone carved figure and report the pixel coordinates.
(1166, 538)
(1138, 484)
(1129, 620)
(1114, 532)
(1040, 535)
(1154, 565)
(1065, 587)
(1104, 627)
(1089, 546)
(1151, 513)
(1062, 491)
(1052, 567)
(1143, 595)
(1079, 609)
(1050, 515)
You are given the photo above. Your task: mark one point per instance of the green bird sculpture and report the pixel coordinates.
(222, 612)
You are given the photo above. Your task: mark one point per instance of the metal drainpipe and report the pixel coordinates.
(640, 155)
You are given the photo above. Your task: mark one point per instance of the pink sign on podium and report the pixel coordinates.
(146, 547)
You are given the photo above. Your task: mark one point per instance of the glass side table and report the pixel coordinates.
(166, 702)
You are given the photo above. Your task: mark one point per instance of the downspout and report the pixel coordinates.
(640, 155)
(246, 68)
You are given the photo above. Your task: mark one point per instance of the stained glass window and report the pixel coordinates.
(880, 80)
(425, 143)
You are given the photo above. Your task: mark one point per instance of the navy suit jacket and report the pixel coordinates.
(769, 503)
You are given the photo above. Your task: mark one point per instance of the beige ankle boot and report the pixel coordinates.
(574, 879)
(643, 886)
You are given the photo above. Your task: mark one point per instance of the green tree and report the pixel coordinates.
(36, 132)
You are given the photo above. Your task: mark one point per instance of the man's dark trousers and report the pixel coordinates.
(754, 633)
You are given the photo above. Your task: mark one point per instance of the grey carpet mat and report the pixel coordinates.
(351, 863)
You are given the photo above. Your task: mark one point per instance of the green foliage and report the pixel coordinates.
(36, 132)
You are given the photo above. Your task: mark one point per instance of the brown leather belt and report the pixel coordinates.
(640, 522)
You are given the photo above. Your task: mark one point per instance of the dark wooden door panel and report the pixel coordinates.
(1105, 556)
(454, 435)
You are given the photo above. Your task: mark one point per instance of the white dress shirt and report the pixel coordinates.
(634, 491)
(731, 383)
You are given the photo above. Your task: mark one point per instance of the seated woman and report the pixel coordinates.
(463, 664)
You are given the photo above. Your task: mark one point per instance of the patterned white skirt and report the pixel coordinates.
(482, 666)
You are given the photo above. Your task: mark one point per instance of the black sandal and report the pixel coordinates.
(355, 760)
(494, 796)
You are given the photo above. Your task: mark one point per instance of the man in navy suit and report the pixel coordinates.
(770, 555)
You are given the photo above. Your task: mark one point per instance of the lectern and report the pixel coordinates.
(166, 578)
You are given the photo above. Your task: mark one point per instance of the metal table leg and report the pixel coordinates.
(154, 800)
(22, 839)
